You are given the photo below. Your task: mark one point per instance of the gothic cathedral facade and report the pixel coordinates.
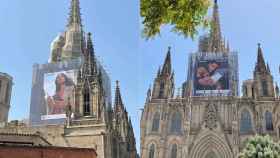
(198, 124)
(90, 119)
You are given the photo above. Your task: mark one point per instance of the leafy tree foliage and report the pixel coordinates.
(261, 147)
(185, 16)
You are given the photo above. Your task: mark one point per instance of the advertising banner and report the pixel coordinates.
(59, 92)
(211, 76)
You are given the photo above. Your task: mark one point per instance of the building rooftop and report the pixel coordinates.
(6, 76)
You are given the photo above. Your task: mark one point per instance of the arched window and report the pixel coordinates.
(155, 125)
(86, 102)
(265, 89)
(245, 122)
(152, 151)
(176, 123)
(161, 90)
(268, 121)
(174, 151)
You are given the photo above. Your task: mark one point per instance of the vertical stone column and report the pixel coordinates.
(235, 131)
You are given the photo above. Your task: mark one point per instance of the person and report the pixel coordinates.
(57, 102)
(212, 78)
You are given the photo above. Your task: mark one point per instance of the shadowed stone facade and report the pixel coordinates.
(188, 126)
(91, 122)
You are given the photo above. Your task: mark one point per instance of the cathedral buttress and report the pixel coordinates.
(164, 82)
(263, 80)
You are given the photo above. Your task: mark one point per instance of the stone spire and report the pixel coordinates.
(262, 77)
(166, 69)
(260, 65)
(74, 34)
(89, 65)
(158, 72)
(69, 44)
(75, 14)
(164, 82)
(216, 42)
(277, 90)
(118, 99)
(268, 68)
(148, 97)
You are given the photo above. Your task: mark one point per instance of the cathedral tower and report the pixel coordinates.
(263, 80)
(6, 83)
(124, 128)
(214, 42)
(89, 93)
(164, 81)
(69, 44)
(211, 120)
(213, 69)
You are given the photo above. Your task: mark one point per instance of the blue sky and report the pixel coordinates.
(28, 28)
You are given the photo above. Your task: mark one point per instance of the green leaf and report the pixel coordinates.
(185, 16)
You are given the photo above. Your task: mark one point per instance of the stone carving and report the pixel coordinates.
(210, 117)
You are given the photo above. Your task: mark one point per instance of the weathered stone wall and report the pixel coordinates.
(209, 125)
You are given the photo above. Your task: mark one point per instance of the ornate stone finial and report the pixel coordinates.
(118, 98)
(268, 68)
(277, 90)
(260, 66)
(148, 97)
(74, 15)
(210, 116)
(159, 70)
(166, 69)
(216, 41)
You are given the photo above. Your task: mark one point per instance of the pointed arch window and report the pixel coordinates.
(245, 122)
(152, 151)
(86, 102)
(176, 123)
(174, 150)
(161, 90)
(265, 88)
(268, 121)
(155, 125)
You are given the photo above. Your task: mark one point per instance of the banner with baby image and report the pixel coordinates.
(211, 76)
(58, 89)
